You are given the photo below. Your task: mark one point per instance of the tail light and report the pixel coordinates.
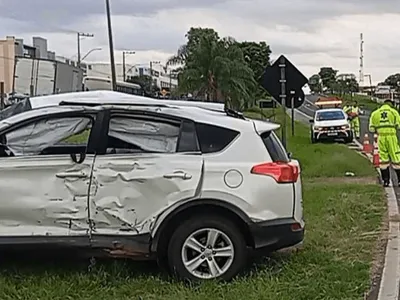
(282, 172)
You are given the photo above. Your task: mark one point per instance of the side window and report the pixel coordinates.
(214, 138)
(141, 135)
(47, 136)
(274, 147)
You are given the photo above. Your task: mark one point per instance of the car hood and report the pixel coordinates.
(331, 123)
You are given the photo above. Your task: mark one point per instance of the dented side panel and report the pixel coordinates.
(44, 195)
(129, 191)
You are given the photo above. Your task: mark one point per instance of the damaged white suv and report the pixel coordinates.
(194, 188)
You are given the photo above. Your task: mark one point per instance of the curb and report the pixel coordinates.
(390, 279)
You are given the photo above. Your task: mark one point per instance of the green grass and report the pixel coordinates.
(334, 263)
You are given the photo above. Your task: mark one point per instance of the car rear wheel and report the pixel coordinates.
(207, 247)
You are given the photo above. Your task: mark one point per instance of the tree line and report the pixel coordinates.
(328, 80)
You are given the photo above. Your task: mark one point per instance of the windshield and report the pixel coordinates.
(330, 115)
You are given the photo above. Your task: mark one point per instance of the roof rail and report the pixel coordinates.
(233, 113)
(84, 103)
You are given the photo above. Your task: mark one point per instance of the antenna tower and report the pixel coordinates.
(361, 72)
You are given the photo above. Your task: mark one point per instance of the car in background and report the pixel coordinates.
(330, 124)
(149, 181)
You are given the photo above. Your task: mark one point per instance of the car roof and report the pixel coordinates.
(108, 97)
(197, 114)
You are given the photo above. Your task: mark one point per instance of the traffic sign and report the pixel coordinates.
(294, 80)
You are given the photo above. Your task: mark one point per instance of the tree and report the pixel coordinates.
(193, 36)
(393, 81)
(314, 82)
(215, 69)
(328, 77)
(145, 81)
(257, 57)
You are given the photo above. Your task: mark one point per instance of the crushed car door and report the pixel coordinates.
(140, 176)
(44, 178)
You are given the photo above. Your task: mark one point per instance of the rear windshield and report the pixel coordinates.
(330, 115)
(274, 147)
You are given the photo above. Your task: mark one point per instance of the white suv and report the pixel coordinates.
(193, 188)
(330, 124)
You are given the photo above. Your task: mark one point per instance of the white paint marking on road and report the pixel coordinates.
(389, 287)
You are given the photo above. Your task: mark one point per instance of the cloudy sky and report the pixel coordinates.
(312, 33)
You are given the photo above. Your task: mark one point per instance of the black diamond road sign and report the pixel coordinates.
(295, 80)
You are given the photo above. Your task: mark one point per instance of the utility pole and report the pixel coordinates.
(123, 62)
(111, 45)
(79, 35)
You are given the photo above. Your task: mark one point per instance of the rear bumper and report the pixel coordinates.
(276, 234)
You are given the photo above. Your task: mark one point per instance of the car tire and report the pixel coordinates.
(200, 227)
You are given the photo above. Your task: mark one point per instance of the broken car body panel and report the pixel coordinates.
(132, 190)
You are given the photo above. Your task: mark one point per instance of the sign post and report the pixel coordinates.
(282, 67)
(292, 95)
(283, 80)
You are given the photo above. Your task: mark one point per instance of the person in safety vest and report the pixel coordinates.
(353, 111)
(385, 121)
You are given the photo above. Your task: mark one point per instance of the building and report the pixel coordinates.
(345, 77)
(34, 70)
(164, 79)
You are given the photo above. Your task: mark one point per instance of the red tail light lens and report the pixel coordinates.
(282, 172)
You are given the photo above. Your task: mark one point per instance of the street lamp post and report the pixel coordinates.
(123, 62)
(90, 51)
(111, 45)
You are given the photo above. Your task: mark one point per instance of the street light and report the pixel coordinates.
(111, 45)
(123, 62)
(90, 51)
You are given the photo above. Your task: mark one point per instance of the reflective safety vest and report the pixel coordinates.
(384, 121)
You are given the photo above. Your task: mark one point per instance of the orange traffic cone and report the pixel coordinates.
(375, 157)
(366, 145)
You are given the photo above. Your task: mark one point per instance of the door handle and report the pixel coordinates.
(178, 174)
(71, 175)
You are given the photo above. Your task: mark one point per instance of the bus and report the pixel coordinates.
(91, 83)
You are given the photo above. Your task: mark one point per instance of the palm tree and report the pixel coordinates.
(217, 71)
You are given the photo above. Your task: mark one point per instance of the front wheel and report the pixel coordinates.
(207, 247)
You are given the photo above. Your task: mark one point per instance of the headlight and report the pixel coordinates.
(345, 127)
(317, 128)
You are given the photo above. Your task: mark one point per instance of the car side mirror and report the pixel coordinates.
(311, 121)
(289, 154)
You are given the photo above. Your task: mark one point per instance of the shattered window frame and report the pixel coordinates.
(140, 146)
(85, 121)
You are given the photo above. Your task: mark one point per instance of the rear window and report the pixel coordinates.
(214, 138)
(274, 147)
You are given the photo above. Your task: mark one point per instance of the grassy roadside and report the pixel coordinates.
(343, 221)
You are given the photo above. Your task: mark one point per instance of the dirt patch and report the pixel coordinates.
(378, 261)
(345, 179)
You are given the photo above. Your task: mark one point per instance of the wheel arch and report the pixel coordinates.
(203, 206)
